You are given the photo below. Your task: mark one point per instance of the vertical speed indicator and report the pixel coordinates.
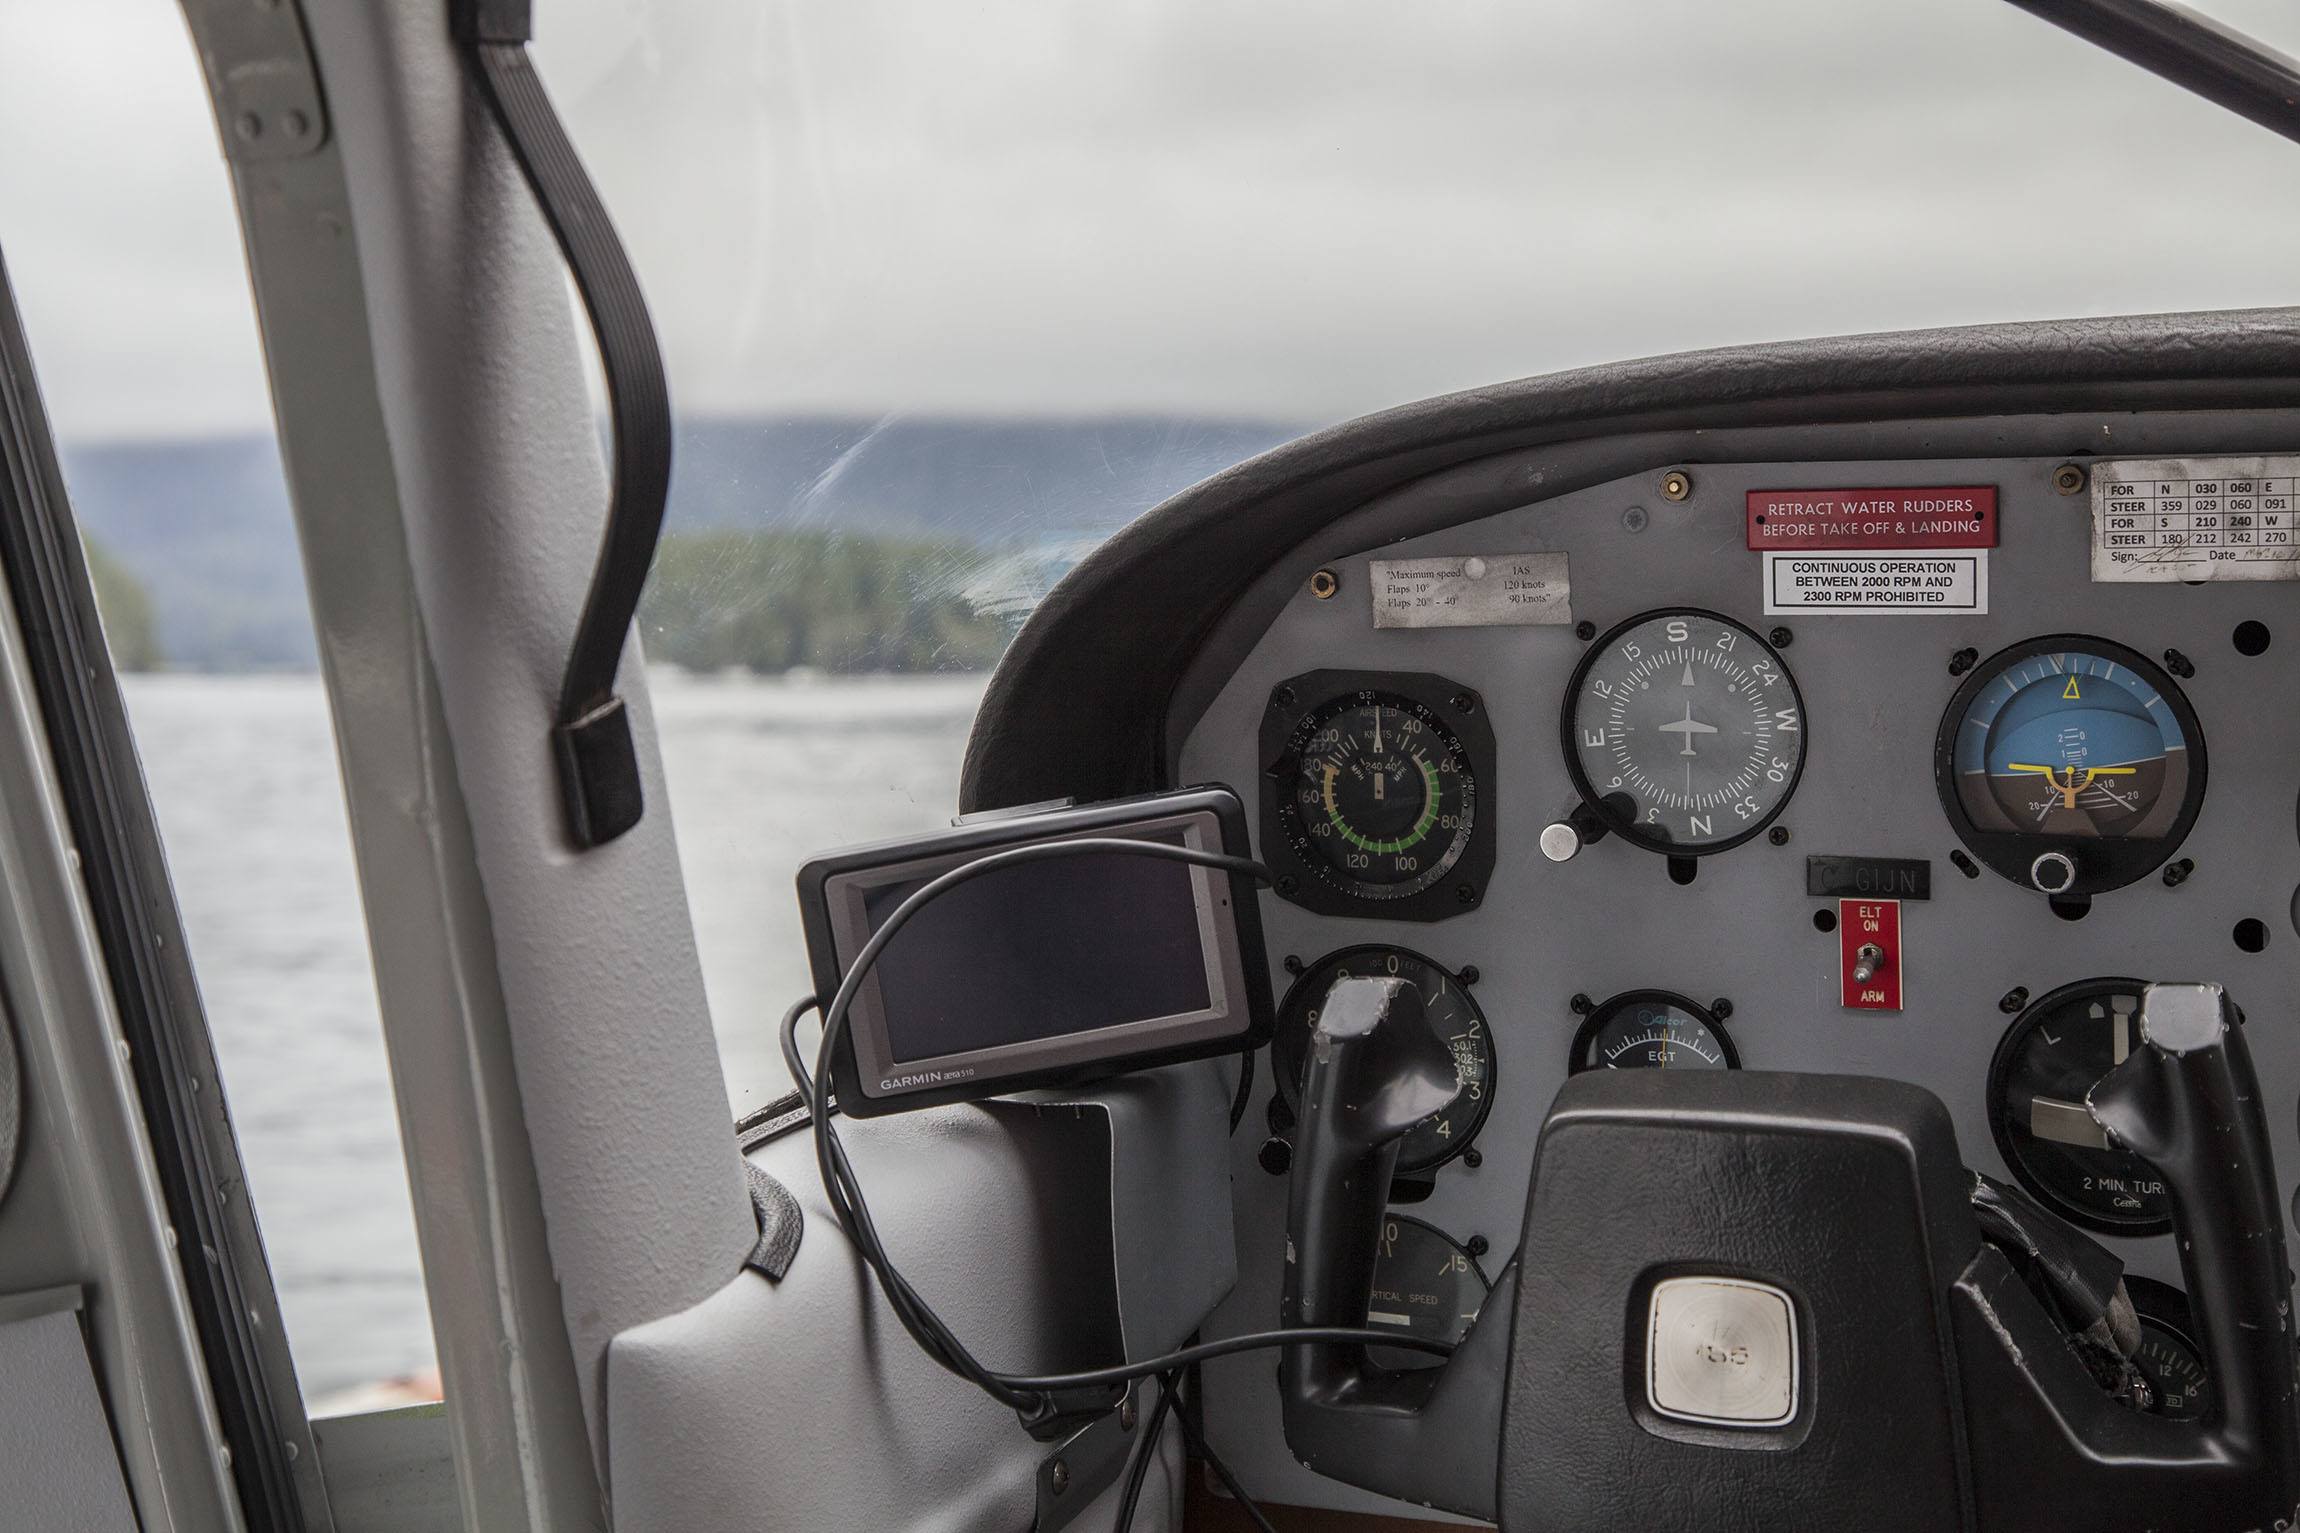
(1684, 731)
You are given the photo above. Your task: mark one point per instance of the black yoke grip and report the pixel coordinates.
(1425, 1435)
(2188, 1102)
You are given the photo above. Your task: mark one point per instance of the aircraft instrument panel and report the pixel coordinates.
(1903, 768)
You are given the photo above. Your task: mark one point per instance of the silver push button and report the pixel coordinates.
(2052, 873)
(1722, 1351)
(1560, 841)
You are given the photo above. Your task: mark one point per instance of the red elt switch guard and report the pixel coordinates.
(1869, 954)
(1949, 516)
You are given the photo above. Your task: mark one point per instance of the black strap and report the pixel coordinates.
(591, 739)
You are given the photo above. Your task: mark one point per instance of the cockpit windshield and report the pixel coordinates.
(949, 294)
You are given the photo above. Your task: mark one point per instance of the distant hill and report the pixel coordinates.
(203, 523)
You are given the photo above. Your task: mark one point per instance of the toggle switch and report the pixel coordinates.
(1869, 955)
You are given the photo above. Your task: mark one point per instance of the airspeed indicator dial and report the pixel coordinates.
(1684, 731)
(1377, 794)
(1381, 803)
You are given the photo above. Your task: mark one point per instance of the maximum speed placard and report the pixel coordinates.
(2167, 519)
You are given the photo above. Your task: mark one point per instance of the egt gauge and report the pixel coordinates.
(1684, 732)
(1652, 1030)
(2070, 765)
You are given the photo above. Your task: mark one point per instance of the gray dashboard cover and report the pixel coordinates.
(1076, 707)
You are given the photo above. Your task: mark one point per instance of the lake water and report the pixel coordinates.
(243, 771)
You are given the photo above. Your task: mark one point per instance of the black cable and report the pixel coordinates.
(1240, 1099)
(1224, 1346)
(1146, 1452)
(1205, 1450)
(1027, 1395)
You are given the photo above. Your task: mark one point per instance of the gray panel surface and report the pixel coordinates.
(1874, 690)
(57, 1465)
(391, 1471)
(502, 499)
(803, 1405)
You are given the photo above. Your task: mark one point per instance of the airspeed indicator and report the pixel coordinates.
(1684, 731)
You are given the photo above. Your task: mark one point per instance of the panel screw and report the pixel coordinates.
(1676, 484)
(1473, 1157)
(1464, 702)
(1721, 1008)
(1060, 1478)
(1964, 865)
(1324, 584)
(1778, 835)
(1581, 1005)
(1293, 964)
(1283, 697)
(1469, 974)
(1963, 660)
(2179, 664)
(2176, 873)
(1126, 1415)
(1780, 638)
(1477, 1245)
(2013, 1000)
(1288, 883)
(1634, 519)
(2068, 478)
(1585, 630)
(1464, 894)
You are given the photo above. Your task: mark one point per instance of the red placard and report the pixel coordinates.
(1946, 516)
(1869, 937)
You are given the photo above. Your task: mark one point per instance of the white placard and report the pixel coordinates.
(2164, 519)
(1470, 591)
(1950, 580)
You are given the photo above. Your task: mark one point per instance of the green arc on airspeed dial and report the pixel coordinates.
(1432, 797)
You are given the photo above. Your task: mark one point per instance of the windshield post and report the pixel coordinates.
(2193, 51)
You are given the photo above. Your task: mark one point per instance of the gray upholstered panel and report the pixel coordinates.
(58, 1468)
(802, 1405)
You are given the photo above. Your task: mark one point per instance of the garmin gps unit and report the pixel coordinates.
(1051, 969)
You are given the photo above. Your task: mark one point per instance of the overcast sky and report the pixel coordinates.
(1295, 211)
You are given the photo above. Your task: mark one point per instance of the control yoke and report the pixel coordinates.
(1426, 1435)
(2045, 1448)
